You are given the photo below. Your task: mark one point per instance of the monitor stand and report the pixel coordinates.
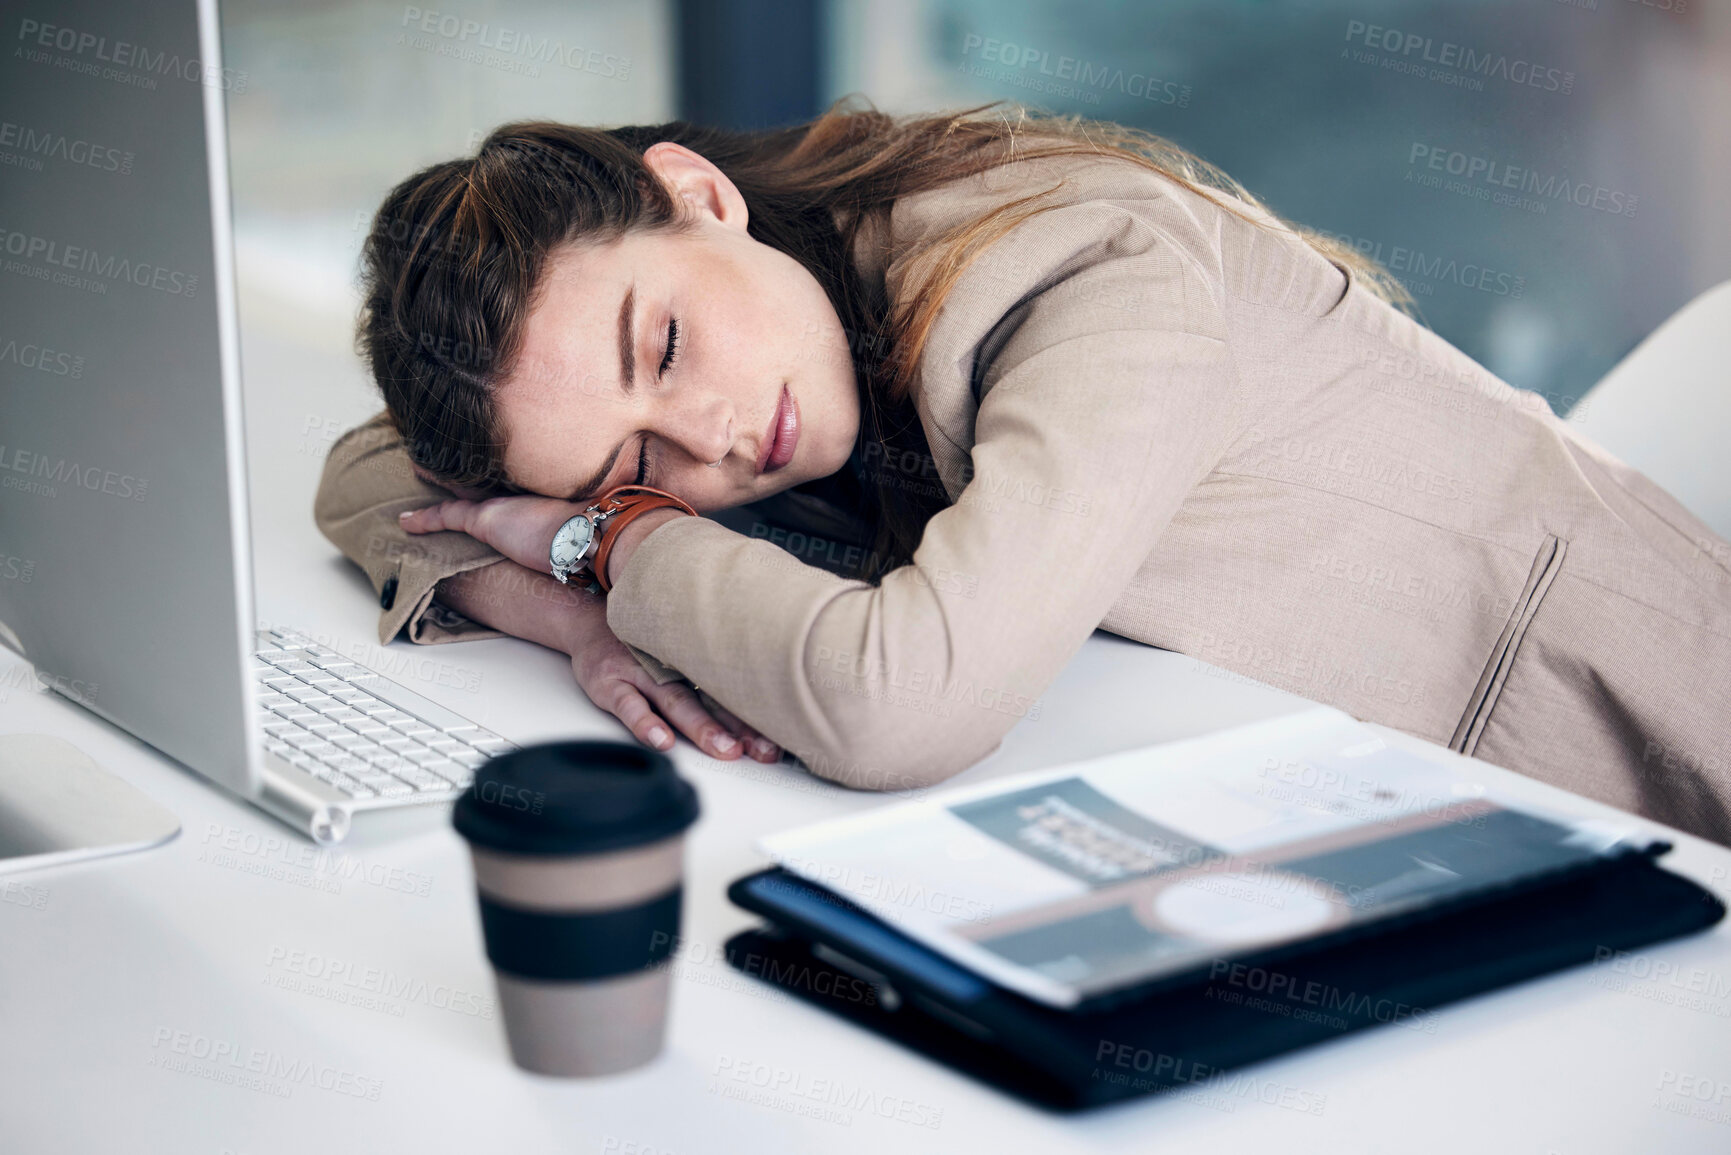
(57, 805)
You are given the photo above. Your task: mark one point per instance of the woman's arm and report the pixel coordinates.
(368, 481)
(1096, 423)
(446, 587)
(573, 621)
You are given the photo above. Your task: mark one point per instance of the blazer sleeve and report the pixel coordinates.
(1095, 424)
(368, 479)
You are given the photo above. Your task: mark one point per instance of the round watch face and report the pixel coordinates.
(571, 541)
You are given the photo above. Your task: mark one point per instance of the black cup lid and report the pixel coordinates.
(574, 798)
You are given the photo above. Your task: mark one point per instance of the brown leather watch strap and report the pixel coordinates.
(627, 502)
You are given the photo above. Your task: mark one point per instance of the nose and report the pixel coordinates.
(700, 424)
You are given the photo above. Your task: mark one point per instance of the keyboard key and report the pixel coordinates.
(343, 669)
(294, 666)
(319, 748)
(368, 728)
(272, 700)
(352, 788)
(471, 759)
(423, 782)
(323, 682)
(327, 728)
(446, 745)
(423, 757)
(394, 716)
(293, 711)
(405, 724)
(353, 697)
(301, 692)
(317, 651)
(375, 708)
(376, 754)
(280, 681)
(349, 740)
(278, 747)
(489, 743)
(278, 658)
(422, 732)
(320, 702)
(337, 712)
(278, 728)
(301, 739)
(453, 772)
(399, 743)
(395, 790)
(347, 765)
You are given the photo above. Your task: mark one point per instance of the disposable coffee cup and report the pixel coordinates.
(579, 851)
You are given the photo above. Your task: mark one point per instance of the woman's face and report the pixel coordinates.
(713, 358)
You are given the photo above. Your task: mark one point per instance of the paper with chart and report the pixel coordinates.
(1069, 883)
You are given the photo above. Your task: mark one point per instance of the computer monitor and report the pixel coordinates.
(122, 480)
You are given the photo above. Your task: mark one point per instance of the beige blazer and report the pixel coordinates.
(1155, 418)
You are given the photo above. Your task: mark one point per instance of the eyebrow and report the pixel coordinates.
(628, 365)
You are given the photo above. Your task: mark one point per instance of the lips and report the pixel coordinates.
(783, 435)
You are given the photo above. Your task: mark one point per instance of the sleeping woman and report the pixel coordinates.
(1019, 378)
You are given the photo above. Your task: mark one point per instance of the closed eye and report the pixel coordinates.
(643, 462)
(672, 352)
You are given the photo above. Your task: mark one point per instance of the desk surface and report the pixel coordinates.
(238, 991)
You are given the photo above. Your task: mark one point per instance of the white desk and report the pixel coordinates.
(112, 973)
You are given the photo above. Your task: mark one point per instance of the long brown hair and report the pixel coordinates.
(455, 255)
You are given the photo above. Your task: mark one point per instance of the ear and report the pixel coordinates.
(697, 186)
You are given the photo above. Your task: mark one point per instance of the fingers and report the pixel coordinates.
(680, 704)
(453, 515)
(761, 748)
(630, 707)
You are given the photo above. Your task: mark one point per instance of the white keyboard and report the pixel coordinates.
(371, 739)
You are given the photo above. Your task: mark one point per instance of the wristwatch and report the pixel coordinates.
(582, 544)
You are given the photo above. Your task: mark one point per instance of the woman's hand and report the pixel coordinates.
(521, 528)
(617, 682)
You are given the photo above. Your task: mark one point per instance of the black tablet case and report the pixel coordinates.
(1186, 1030)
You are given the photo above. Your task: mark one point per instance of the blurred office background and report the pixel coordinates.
(1385, 123)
